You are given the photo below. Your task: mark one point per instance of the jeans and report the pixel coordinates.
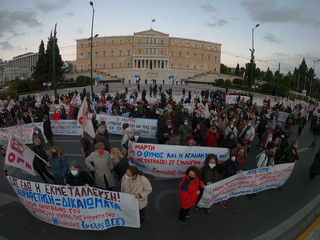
(314, 141)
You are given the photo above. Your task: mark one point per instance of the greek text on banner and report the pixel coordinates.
(247, 182)
(82, 208)
(170, 161)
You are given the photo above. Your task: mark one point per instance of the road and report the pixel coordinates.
(243, 219)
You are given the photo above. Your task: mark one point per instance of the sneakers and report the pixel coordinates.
(224, 205)
(208, 211)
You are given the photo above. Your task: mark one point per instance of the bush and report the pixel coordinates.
(219, 82)
(33, 85)
(267, 88)
(238, 81)
(271, 88)
(227, 83)
(83, 81)
(23, 86)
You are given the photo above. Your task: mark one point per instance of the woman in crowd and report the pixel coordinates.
(230, 141)
(135, 183)
(200, 134)
(247, 135)
(120, 162)
(231, 128)
(59, 165)
(212, 137)
(315, 166)
(175, 138)
(86, 146)
(101, 137)
(268, 136)
(189, 191)
(127, 135)
(162, 128)
(222, 122)
(78, 177)
(291, 155)
(185, 130)
(47, 129)
(266, 157)
(38, 134)
(191, 142)
(56, 115)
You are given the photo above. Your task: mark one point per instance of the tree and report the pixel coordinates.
(303, 68)
(224, 69)
(237, 71)
(257, 73)
(248, 73)
(268, 76)
(40, 74)
(242, 71)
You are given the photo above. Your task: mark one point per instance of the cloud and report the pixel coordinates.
(207, 7)
(46, 6)
(217, 23)
(11, 21)
(280, 54)
(79, 30)
(70, 14)
(6, 46)
(272, 38)
(272, 11)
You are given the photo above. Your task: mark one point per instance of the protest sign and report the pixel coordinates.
(282, 116)
(66, 127)
(170, 161)
(147, 127)
(247, 182)
(232, 99)
(81, 208)
(22, 132)
(196, 93)
(11, 105)
(1, 106)
(84, 119)
(19, 155)
(159, 111)
(75, 100)
(57, 106)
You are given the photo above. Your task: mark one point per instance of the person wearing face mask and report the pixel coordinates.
(212, 137)
(222, 122)
(200, 134)
(231, 128)
(266, 157)
(175, 138)
(100, 137)
(268, 138)
(230, 141)
(136, 138)
(189, 190)
(58, 164)
(78, 177)
(120, 162)
(185, 130)
(101, 164)
(134, 182)
(247, 135)
(213, 171)
(291, 155)
(39, 161)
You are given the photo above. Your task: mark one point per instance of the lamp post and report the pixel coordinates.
(91, 3)
(314, 69)
(252, 57)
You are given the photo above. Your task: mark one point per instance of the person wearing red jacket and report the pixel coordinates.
(189, 191)
(212, 137)
(56, 115)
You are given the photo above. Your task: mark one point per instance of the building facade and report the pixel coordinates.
(27, 60)
(151, 50)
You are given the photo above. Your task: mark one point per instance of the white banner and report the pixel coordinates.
(147, 127)
(247, 182)
(232, 99)
(81, 208)
(84, 118)
(22, 132)
(170, 161)
(19, 155)
(11, 105)
(66, 127)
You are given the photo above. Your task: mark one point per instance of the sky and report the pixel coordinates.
(289, 29)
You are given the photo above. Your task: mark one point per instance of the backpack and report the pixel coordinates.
(258, 156)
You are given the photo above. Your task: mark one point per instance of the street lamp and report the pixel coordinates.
(91, 3)
(314, 69)
(252, 56)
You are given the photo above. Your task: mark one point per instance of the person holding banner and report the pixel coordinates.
(266, 157)
(135, 183)
(58, 164)
(189, 190)
(78, 177)
(101, 164)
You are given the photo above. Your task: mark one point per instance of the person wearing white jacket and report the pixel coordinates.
(127, 135)
(247, 135)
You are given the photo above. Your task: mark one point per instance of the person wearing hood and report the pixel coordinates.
(291, 155)
(100, 137)
(127, 135)
(189, 190)
(266, 157)
(136, 137)
(213, 171)
(185, 130)
(101, 164)
(78, 177)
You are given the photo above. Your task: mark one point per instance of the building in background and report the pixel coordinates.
(27, 60)
(148, 53)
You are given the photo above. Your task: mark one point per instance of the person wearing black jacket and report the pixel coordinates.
(302, 122)
(78, 177)
(316, 132)
(291, 155)
(162, 128)
(136, 138)
(47, 129)
(200, 134)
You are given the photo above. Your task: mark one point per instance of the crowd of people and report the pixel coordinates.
(232, 126)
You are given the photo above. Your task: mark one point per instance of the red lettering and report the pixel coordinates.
(11, 157)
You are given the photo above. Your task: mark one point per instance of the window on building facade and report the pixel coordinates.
(180, 54)
(187, 66)
(180, 44)
(112, 65)
(81, 67)
(89, 65)
(154, 51)
(195, 45)
(180, 65)
(188, 44)
(202, 56)
(147, 40)
(215, 58)
(120, 52)
(112, 53)
(194, 55)
(96, 54)
(128, 53)
(104, 42)
(81, 44)
(172, 65)
(120, 41)
(104, 53)
(162, 52)
(172, 43)
(97, 65)
(97, 43)
(139, 51)
(140, 41)
(216, 49)
(209, 58)
(172, 54)
(129, 41)
(201, 66)
(187, 54)
(120, 64)
(162, 42)
(89, 54)
(112, 42)
(104, 65)
(154, 41)
(128, 64)
(202, 46)
(215, 69)
(209, 47)
(147, 51)
(81, 54)
(194, 66)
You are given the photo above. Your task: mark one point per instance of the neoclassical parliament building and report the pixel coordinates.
(151, 54)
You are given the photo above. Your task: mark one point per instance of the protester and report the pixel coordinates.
(175, 138)
(47, 129)
(247, 135)
(315, 166)
(291, 155)
(78, 177)
(58, 164)
(134, 182)
(200, 134)
(101, 164)
(230, 141)
(127, 135)
(189, 191)
(162, 128)
(266, 157)
(185, 130)
(100, 137)
(120, 162)
(86, 146)
(38, 134)
(316, 132)
(136, 137)
(212, 137)
(231, 128)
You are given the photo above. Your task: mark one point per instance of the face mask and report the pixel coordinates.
(169, 126)
(101, 151)
(202, 116)
(269, 139)
(74, 172)
(186, 123)
(54, 154)
(212, 165)
(282, 136)
(112, 157)
(136, 138)
(234, 121)
(231, 126)
(240, 154)
(192, 178)
(127, 177)
(249, 125)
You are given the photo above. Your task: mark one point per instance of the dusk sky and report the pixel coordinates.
(289, 29)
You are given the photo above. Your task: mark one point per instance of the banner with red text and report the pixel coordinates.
(22, 132)
(81, 208)
(66, 127)
(19, 155)
(244, 183)
(232, 99)
(170, 161)
(147, 127)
